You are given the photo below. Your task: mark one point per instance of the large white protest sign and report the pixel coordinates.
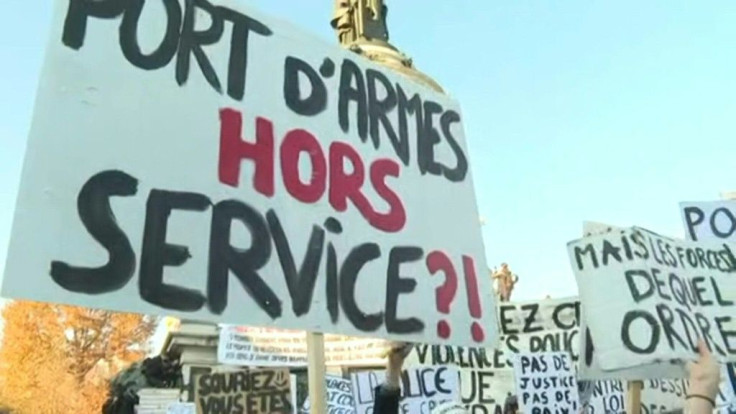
(709, 220)
(588, 366)
(210, 162)
(648, 298)
(486, 374)
(422, 389)
(546, 383)
(264, 347)
(340, 397)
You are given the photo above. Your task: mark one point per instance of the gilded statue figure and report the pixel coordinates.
(505, 282)
(343, 21)
(361, 28)
(360, 19)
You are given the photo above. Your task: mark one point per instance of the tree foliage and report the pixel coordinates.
(58, 359)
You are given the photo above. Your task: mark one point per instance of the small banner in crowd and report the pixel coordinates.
(258, 391)
(275, 180)
(546, 383)
(422, 389)
(649, 298)
(709, 220)
(340, 397)
(265, 347)
(486, 374)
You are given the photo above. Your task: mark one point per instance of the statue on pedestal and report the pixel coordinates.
(505, 282)
(361, 27)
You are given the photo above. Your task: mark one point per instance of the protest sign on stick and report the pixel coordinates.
(546, 383)
(648, 298)
(262, 391)
(422, 389)
(263, 177)
(588, 366)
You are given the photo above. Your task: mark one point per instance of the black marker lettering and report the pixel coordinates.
(316, 101)
(355, 261)
(129, 36)
(396, 286)
(301, 284)
(156, 253)
(244, 263)
(93, 205)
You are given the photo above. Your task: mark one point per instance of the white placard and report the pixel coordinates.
(545, 382)
(422, 389)
(588, 366)
(340, 397)
(254, 175)
(265, 347)
(648, 298)
(709, 220)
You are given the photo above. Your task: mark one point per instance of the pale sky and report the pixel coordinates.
(576, 110)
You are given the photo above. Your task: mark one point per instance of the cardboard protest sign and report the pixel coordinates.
(422, 389)
(254, 175)
(550, 325)
(255, 391)
(588, 366)
(486, 374)
(546, 383)
(648, 298)
(246, 346)
(340, 398)
(709, 220)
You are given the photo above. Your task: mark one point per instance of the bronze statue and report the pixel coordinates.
(361, 27)
(505, 282)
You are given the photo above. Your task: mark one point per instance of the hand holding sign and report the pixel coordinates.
(705, 374)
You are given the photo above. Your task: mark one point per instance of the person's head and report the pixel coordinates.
(450, 408)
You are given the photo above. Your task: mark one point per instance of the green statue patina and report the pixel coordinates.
(361, 27)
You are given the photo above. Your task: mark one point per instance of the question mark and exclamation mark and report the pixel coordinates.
(438, 261)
